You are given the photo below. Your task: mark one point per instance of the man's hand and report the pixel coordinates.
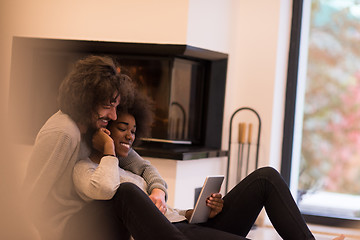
(158, 197)
(216, 204)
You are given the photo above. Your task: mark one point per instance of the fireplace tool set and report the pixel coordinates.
(244, 145)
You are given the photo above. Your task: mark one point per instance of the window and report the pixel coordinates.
(323, 107)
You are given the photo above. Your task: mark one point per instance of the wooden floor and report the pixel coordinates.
(320, 233)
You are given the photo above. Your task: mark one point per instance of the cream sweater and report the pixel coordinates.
(49, 191)
(100, 181)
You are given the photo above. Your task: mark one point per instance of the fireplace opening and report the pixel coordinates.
(176, 86)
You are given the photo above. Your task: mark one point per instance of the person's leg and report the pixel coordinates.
(262, 188)
(96, 221)
(141, 216)
(129, 211)
(196, 232)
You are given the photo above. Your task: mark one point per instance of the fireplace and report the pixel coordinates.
(186, 83)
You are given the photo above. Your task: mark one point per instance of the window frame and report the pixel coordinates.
(289, 115)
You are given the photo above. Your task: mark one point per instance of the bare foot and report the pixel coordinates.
(341, 237)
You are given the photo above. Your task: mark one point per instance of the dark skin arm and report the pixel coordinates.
(104, 144)
(215, 202)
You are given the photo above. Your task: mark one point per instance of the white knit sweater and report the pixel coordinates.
(49, 191)
(100, 181)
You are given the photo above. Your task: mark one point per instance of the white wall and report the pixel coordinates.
(255, 34)
(183, 177)
(155, 21)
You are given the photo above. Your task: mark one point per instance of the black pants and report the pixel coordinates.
(131, 211)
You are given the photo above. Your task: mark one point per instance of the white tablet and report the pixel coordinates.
(201, 211)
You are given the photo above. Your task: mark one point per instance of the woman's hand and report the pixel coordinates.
(189, 213)
(216, 203)
(102, 142)
(158, 197)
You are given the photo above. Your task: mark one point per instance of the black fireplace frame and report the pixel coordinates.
(214, 89)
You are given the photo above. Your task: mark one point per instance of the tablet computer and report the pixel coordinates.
(201, 211)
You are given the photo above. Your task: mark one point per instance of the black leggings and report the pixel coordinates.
(131, 211)
(262, 188)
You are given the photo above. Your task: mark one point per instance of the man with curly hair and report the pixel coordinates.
(88, 98)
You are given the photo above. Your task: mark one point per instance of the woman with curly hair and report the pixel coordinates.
(109, 175)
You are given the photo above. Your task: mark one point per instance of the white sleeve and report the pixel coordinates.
(51, 155)
(97, 181)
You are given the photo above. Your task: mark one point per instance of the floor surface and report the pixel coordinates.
(320, 233)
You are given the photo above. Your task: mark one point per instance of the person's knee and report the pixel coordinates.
(268, 172)
(127, 186)
(127, 189)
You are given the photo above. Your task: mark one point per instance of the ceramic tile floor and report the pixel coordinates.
(320, 233)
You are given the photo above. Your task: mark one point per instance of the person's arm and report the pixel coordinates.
(157, 196)
(52, 153)
(101, 181)
(97, 181)
(215, 202)
(157, 187)
(102, 142)
(188, 214)
(136, 164)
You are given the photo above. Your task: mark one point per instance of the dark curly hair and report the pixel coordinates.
(142, 108)
(94, 80)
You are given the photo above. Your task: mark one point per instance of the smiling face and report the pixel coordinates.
(123, 133)
(105, 112)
